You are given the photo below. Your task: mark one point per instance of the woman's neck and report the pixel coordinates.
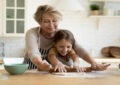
(47, 35)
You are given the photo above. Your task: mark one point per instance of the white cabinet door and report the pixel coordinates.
(12, 18)
(0, 17)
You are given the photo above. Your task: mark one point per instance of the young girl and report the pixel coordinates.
(63, 54)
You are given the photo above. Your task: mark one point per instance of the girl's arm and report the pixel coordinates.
(52, 56)
(74, 57)
(76, 62)
(55, 62)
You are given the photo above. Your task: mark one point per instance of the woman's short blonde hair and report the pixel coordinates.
(46, 9)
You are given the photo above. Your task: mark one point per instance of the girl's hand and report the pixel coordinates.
(78, 68)
(100, 67)
(60, 67)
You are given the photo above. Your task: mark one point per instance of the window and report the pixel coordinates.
(15, 17)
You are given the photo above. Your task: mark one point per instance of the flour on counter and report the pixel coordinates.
(82, 75)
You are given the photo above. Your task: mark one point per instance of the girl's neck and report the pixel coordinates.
(47, 35)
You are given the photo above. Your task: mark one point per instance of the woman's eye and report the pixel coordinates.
(54, 20)
(46, 21)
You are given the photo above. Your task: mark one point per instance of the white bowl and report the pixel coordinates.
(13, 60)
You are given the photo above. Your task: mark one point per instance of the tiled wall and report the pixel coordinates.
(12, 47)
(85, 29)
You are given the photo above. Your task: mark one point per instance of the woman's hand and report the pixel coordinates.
(60, 67)
(99, 67)
(44, 66)
(41, 64)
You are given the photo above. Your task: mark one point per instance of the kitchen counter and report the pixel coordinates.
(38, 78)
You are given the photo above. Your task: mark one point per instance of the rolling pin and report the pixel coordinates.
(70, 69)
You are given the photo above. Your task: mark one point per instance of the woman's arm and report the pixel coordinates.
(84, 54)
(32, 45)
(32, 50)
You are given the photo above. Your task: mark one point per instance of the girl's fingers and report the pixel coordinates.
(60, 69)
(55, 68)
(80, 69)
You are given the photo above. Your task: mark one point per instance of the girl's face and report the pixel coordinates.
(63, 47)
(48, 24)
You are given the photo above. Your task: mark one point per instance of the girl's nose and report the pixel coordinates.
(65, 49)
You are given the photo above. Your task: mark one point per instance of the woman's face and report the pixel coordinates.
(63, 47)
(48, 24)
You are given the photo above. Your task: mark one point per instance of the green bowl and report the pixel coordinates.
(15, 69)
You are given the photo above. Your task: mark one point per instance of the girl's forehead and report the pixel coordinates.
(63, 41)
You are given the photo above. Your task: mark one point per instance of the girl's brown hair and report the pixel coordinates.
(46, 9)
(64, 34)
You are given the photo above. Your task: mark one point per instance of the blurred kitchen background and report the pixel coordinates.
(92, 32)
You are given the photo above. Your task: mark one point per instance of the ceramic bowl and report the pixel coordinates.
(15, 69)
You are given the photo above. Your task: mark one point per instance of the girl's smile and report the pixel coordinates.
(63, 47)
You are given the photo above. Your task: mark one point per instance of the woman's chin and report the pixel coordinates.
(51, 30)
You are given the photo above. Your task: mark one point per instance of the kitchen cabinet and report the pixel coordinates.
(12, 17)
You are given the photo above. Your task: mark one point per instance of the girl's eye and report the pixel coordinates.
(61, 46)
(68, 46)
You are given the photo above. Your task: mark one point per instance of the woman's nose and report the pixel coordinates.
(51, 24)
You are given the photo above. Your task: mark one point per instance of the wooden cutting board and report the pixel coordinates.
(115, 52)
(111, 51)
(1, 61)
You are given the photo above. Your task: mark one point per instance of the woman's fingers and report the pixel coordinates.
(101, 67)
(107, 65)
(43, 67)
